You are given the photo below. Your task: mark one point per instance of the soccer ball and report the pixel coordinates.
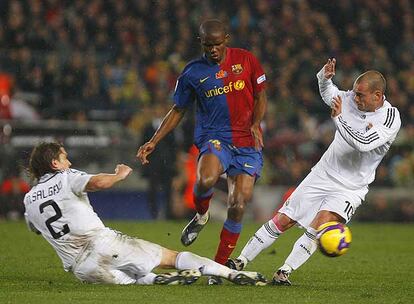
(333, 238)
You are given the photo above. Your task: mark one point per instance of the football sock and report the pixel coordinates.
(263, 238)
(146, 279)
(228, 240)
(286, 268)
(302, 250)
(202, 200)
(202, 218)
(188, 260)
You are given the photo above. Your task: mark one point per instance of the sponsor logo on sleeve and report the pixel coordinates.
(261, 79)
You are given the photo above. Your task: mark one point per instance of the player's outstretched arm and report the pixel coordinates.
(104, 180)
(170, 122)
(327, 89)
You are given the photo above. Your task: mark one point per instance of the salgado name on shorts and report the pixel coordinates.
(44, 193)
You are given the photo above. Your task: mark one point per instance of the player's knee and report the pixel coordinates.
(325, 216)
(330, 216)
(241, 196)
(168, 258)
(282, 221)
(206, 182)
(236, 212)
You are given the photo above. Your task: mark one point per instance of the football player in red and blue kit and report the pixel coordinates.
(228, 87)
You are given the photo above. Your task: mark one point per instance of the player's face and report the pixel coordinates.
(214, 45)
(365, 99)
(62, 163)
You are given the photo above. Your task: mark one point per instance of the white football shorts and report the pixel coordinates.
(319, 191)
(115, 258)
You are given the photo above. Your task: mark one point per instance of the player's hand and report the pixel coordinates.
(122, 171)
(336, 106)
(145, 150)
(329, 68)
(258, 137)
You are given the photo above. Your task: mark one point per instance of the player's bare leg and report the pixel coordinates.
(209, 170)
(304, 247)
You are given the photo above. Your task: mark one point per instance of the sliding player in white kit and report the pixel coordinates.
(58, 208)
(366, 125)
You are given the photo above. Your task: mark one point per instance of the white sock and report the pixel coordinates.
(202, 218)
(302, 250)
(146, 279)
(188, 260)
(286, 268)
(263, 238)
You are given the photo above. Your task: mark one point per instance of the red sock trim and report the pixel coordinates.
(276, 222)
(202, 203)
(228, 241)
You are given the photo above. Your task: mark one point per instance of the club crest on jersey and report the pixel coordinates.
(221, 74)
(237, 68)
(216, 143)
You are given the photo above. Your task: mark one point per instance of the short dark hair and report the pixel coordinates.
(211, 26)
(375, 80)
(41, 158)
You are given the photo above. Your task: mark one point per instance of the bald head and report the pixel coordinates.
(374, 79)
(212, 26)
(369, 91)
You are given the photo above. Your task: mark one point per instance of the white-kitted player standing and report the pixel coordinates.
(366, 125)
(58, 208)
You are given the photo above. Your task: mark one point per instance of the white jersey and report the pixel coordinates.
(361, 139)
(59, 208)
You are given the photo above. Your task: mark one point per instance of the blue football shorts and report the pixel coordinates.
(235, 161)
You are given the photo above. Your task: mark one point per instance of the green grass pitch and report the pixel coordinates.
(379, 268)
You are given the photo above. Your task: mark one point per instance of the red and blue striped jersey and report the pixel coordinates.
(224, 96)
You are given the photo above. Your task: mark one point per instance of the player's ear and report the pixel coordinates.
(378, 95)
(227, 38)
(55, 164)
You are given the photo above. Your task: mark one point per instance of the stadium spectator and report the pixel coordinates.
(58, 208)
(183, 183)
(162, 160)
(366, 124)
(5, 89)
(12, 191)
(227, 85)
(15, 107)
(39, 38)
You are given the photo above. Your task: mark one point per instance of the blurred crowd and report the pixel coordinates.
(119, 60)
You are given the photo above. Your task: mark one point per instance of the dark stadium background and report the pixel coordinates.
(98, 75)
